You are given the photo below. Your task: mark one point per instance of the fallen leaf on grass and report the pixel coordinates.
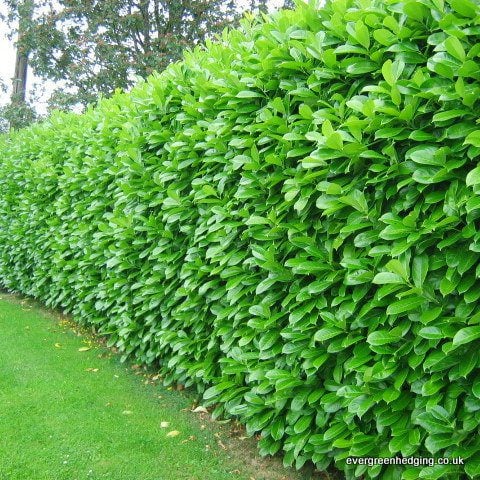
(164, 424)
(91, 369)
(191, 438)
(127, 412)
(173, 433)
(200, 409)
(84, 349)
(58, 345)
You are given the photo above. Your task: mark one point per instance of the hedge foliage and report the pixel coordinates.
(286, 220)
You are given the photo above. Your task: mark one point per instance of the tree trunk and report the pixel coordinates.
(20, 76)
(25, 14)
(18, 102)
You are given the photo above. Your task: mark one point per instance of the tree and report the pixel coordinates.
(97, 46)
(18, 113)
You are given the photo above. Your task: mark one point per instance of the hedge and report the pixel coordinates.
(287, 220)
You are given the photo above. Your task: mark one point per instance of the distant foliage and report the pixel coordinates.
(286, 220)
(16, 115)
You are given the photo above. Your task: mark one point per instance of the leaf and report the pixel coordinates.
(387, 72)
(334, 141)
(466, 335)
(302, 424)
(426, 155)
(84, 349)
(465, 8)
(384, 37)
(362, 34)
(357, 200)
(473, 138)
(277, 429)
(472, 466)
(326, 333)
(383, 337)
(434, 443)
(437, 472)
(164, 424)
(426, 175)
(360, 67)
(305, 111)
(127, 412)
(199, 409)
(431, 314)
(449, 115)
(476, 387)
(327, 128)
(173, 433)
(248, 94)
(419, 270)
(432, 424)
(432, 333)
(387, 277)
(405, 305)
(473, 177)
(454, 48)
(389, 132)
(398, 267)
(431, 387)
(335, 431)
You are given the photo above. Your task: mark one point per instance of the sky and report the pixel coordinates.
(7, 55)
(7, 65)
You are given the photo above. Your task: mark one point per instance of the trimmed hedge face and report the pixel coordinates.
(286, 220)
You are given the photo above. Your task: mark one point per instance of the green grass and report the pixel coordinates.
(59, 419)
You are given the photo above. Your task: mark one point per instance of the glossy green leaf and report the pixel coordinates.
(387, 277)
(466, 335)
(473, 138)
(405, 305)
(383, 337)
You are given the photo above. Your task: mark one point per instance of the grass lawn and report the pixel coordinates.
(70, 411)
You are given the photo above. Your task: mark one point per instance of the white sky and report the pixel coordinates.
(7, 64)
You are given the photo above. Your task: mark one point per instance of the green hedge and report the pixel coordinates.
(286, 220)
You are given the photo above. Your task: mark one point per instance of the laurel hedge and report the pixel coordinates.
(287, 220)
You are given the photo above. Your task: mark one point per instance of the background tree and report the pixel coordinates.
(96, 46)
(18, 113)
(262, 5)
